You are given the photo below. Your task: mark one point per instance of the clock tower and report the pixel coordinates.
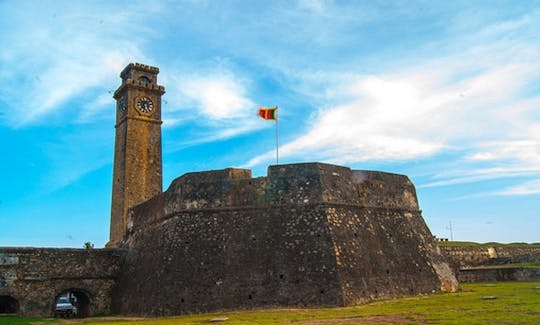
(137, 170)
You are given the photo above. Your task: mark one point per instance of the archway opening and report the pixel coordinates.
(8, 305)
(72, 303)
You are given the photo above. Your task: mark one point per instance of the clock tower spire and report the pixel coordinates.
(137, 170)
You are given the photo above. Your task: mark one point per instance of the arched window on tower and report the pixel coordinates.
(144, 79)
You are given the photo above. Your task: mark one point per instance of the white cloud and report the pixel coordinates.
(475, 100)
(472, 99)
(527, 150)
(67, 78)
(60, 51)
(217, 97)
(529, 187)
(494, 160)
(315, 6)
(407, 116)
(102, 104)
(468, 174)
(217, 103)
(526, 188)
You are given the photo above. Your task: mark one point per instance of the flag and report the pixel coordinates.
(268, 113)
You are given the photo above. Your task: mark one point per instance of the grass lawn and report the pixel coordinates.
(513, 303)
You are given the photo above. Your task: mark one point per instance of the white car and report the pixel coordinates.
(65, 308)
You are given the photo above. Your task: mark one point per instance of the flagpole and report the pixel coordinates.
(270, 113)
(277, 139)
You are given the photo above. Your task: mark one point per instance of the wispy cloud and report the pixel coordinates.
(216, 102)
(477, 102)
(415, 115)
(102, 105)
(530, 187)
(58, 52)
(216, 97)
(468, 174)
(527, 188)
(474, 98)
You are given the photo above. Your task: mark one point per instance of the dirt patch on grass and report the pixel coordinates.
(383, 319)
(83, 320)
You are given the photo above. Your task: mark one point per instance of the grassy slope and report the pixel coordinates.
(516, 302)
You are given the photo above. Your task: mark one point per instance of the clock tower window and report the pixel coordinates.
(144, 79)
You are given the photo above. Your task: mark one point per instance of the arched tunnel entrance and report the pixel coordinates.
(8, 305)
(72, 303)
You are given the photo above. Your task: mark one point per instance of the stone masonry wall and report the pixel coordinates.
(467, 256)
(499, 274)
(306, 235)
(492, 263)
(203, 261)
(35, 277)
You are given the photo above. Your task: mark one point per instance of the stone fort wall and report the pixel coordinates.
(470, 256)
(33, 278)
(305, 235)
(493, 263)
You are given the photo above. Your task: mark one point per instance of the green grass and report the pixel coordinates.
(528, 264)
(515, 303)
(531, 265)
(490, 244)
(13, 320)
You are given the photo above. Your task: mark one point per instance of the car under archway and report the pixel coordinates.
(72, 303)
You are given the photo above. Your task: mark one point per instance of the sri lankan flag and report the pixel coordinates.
(268, 113)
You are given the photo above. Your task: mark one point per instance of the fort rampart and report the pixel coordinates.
(493, 262)
(470, 256)
(305, 235)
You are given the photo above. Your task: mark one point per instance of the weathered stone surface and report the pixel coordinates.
(492, 263)
(35, 277)
(306, 235)
(483, 274)
(469, 256)
(137, 170)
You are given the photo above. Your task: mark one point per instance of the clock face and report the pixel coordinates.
(145, 105)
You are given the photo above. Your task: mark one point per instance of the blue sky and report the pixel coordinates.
(446, 92)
